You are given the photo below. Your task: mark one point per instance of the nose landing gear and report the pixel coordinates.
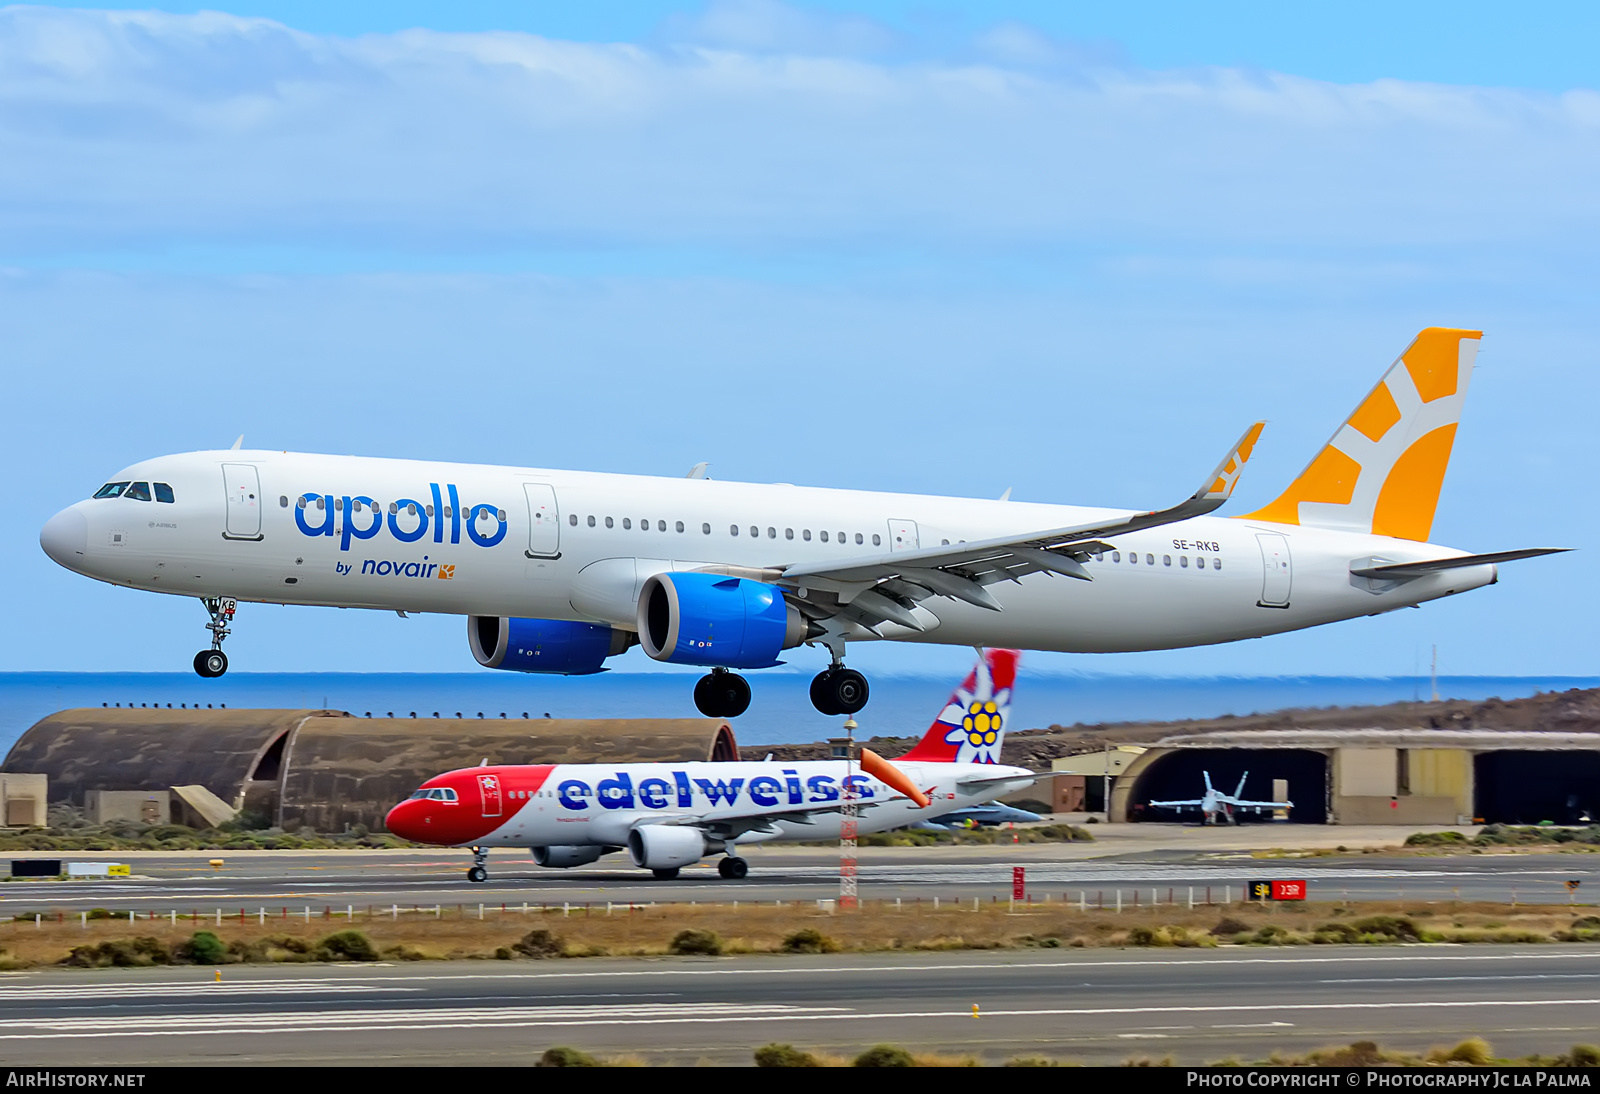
(480, 871)
(722, 694)
(213, 662)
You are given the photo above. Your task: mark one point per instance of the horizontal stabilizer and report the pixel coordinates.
(1400, 570)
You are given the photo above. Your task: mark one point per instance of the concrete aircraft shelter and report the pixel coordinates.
(1377, 776)
(325, 769)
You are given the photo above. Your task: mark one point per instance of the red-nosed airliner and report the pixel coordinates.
(669, 816)
(557, 571)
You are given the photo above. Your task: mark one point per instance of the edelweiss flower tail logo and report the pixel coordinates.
(971, 728)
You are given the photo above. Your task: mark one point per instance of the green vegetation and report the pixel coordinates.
(562, 1056)
(776, 1055)
(1508, 835)
(885, 1056)
(809, 940)
(692, 940)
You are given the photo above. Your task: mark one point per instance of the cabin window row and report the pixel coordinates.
(1200, 562)
(733, 529)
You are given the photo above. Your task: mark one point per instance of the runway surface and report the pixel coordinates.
(1094, 1006)
(1093, 872)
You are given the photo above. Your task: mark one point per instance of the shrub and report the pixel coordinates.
(204, 948)
(1394, 927)
(693, 940)
(1029, 1061)
(1474, 1051)
(885, 1056)
(1435, 839)
(538, 943)
(1580, 1056)
(562, 1056)
(123, 953)
(1228, 926)
(776, 1055)
(347, 945)
(809, 940)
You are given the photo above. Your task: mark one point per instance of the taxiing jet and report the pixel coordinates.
(557, 571)
(1219, 808)
(669, 816)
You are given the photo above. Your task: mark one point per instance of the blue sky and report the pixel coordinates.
(1066, 248)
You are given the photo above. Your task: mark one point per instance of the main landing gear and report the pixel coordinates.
(213, 662)
(733, 868)
(480, 871)
(722, 694)
(838, 690)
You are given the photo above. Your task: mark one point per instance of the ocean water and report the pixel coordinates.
(780, 712)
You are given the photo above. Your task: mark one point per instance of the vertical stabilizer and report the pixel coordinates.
(1382, 471)
(972, 726)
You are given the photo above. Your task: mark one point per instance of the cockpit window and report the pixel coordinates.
(435, 793)
(111, 490)
(163, 492)
(139, 491)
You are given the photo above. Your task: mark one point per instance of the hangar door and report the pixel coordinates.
(1528, 786)
(1180, 775)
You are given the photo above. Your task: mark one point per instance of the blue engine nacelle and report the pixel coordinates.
(724, 622)
(543, 645)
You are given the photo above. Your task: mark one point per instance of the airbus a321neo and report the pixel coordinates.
(557, 571)
(669, 816)
(1215, 807)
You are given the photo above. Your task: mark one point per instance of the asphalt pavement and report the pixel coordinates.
(1164, 866)
(1096, 1006)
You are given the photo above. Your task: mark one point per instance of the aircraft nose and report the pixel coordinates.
(65, 537)
(408, 820)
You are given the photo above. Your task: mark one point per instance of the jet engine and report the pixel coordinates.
(543, 645)
(665, 846)
(564, 856)
(724, 622)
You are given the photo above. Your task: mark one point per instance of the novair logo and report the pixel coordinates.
(408, 520)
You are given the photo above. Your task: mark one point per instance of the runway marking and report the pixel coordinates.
(191, 990)
(301, 1023)
(1445, 979)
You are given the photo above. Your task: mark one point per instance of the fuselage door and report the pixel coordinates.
(1276, 572)
(544, 521)
(902, 535)
(242, 485)
(489, 791)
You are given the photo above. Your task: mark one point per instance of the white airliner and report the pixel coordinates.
(670, 816)
(1216, 806)
(557, 571)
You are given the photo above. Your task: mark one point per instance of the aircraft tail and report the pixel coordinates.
(1382, 471)
(972, 726)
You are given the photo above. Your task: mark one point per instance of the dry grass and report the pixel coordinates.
(750, 928)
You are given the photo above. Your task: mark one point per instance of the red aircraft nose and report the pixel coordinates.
(412, 820)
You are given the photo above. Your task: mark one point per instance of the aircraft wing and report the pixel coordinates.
(1194, 803)
(880, 588)
(732, 827)
(1405, 570)
(1240, 803)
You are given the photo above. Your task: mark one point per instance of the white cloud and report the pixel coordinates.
(776, 130)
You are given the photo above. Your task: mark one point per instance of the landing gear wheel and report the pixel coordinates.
(722, 694)
(666, 874)
(210, 663)
(477, 875)
(733, 868)
(480, 866)
(822, 694)
(843, 690)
